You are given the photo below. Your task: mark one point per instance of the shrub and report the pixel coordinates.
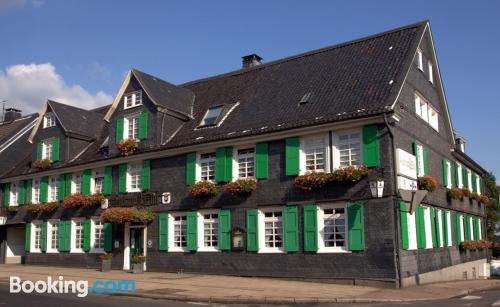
(466, 192)
(43, 207)
(127, 146)
(77, 199)
(427, 183)
(203, 189)
(350, 173)
(106, 256)
(241, 186)
(137, 259)
(455, 193)
(43, 164)
(120, 215)
(312, 181)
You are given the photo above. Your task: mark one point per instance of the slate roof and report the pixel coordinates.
(77, 121)
(9, 129)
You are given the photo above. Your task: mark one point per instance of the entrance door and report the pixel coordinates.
(136, 243)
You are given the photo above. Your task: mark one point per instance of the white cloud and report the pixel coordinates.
(27, 87)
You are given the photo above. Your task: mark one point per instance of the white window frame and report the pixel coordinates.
(236, 164)
(99, 173)
(480, 229)
(448, 174)
(261, 231)
(47, 149)
(427, 112)
(462, 227)
(127, 121)
(75, 183)
(201, 231)
(14, 194)
(74, 249)
(49, 120)
(203, 120)
(52, 188)
(321, 224)
(420, 160)
(428, 227)
(440, 226)
(431, 71)
(412, 230)
(138, 168)
(199, 161)
(336, 146)
(304, 148)
(449, 228)
(420, 59)
(50, 226)
(93, 228)
(34, 226)
(171, 243)
(35, 191)
(478, 184)
(459, 171)
(469, 179)
(135, 97)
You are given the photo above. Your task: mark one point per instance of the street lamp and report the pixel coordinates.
(377, 187)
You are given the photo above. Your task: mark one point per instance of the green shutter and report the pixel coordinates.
(39, 148)
(27, 237)
(86, 235)
(223, 164)
(356, 226)
(190, 168)
(433, 227)
(192, 230)
(415, 153)
(452, 176)
(163, 231)
(292, 149)
(444, 218)
(252, 230)
(64, 236)
(261, 160)
(21, 192)
(44, 189)
(403, 213)
(56, 149)
(436, 227)
(457, 174)
(420, 223)
(43, 237)
(146, 175)
(371, 146)
(27, 188)
(445, 173)
(87, 174)
(122, 178)
(474, 183)
(108, 180)
(67, 182)
(310, 228)
(467, 228)
(458, 229)
(6, 194)
(108, 237)
(143, 125)
(119, 129)
(224, 229)
(426, 160)
(61, 189)
(291, 227)
(465, 178)
(476, 228)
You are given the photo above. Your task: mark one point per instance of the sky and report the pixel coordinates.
(78, 52)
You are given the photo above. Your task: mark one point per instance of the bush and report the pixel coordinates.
(137, 259)
(312, 181)
(203, 189)
(106, 256)
(455, 193)
(350, 173)
(120, 215)
(427, 183)
(127, 146)
(43, 207)
(241, 186)
(43, 164)
(77, 199)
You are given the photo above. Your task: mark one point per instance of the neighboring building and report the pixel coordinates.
(376, 101)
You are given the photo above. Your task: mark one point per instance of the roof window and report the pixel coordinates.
(211, 116)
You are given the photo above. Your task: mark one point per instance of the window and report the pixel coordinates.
(78, 235)
(333, 231)
(180, 233)
(53, 188)
(133, 99)
(210, 229)
(448, 174)
(35, 198)
(425, 111)
(460, 182)
(134, 178)
(428, 227)
(478, 184)
(77, 184)
(98, 237)
(47, 149)
(433, 118)
(449, 228)
(207, 167)
(211, 116)
(412, 230)
(49, 120)
(98, 182)
(54, 228)
(469, 179)
(349, 148)
(314, 157)
(273, 230)
(420, 60)
(462, 227)
(37, 234)
(13, 197)
(431, 72)
(438, 225)
(131, 127)
(246, 163)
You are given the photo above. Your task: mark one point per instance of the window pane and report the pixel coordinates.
(211, 116)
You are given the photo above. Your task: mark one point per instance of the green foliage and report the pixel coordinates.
(492, 210)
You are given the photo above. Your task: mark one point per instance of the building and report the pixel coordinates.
(376, 102)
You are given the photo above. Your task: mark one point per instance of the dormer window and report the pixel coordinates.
(133, 99)
(211, 116)
(49, 120)
(131, 130)
(420, 60)
(47, 149)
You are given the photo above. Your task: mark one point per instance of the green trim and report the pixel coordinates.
(6, 194)
(122, 178)
(420, 223)
(44, 189)
(292, 156)
(27, 237)
(403, 213)
(252, 230)
(163, 231)
(56, 149)
(87, 225)
(291, 228)
(146, 175)
(87, 174)
(356, 226)
(43, 237)
(223, 164)
(224, 229)
(192, 230)
(261, 160)
(108, 237)
(190, 168)
(143, 125)
(310, 228)
(371, 146)
(120, 122)
(444, 218)
(108, 180)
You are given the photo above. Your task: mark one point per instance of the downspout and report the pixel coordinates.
(397, 264)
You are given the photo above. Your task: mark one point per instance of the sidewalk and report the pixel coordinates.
(224, 289)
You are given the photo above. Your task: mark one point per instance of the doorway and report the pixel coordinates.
(135, 244)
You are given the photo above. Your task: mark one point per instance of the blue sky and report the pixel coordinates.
(80, 50)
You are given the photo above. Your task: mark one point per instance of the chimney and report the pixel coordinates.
(12, 114)
(251, 60)
(460, 144)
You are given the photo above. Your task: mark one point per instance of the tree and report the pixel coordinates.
(492, 210)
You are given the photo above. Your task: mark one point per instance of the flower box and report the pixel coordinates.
(455, 193)
(312, 181)
(42, 164)
(350, 173)
(43, 207)
(203, 189)
(427, 183)
(77, 199)
(127, 147)
(475, 245)
(241, 186)
(120, 215)
(106, 262)
(138, 264)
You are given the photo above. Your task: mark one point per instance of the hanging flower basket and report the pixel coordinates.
(350, 173)
(455, 193)
(43, 164)
(312, 181)
(43, 207)
(127, 146)
(77, 199)
(120, 215)
(203, 189)
(241, 186)
(427, 183)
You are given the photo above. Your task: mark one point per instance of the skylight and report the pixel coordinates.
(211, 116)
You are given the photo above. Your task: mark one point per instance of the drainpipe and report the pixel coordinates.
(397, 264)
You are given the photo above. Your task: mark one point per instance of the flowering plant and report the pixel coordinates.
(350, 173)
(203, 189)
(311, 181)
(106, 256)
(120, 215)
(476, 196)
(466, 192)
(43, 207)
(242, 186)
(127, 146)
(483, 199)
(78, 199)
(455, 193)
(475, 244)
(138, 259)
(427, 183)
(43, 164)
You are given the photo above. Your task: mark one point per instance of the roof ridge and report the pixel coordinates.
(307, 53)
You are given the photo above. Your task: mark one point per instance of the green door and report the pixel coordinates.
(136, 243)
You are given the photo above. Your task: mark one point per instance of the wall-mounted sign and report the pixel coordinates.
(150, 243)
(141, 199)
(117, 244)
(407, 184)
(166, 198)
(406, 164)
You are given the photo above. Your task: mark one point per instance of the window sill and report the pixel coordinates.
(333, 251)
(178, 250)
(35, 251)
(77, 251)
(131, 107)
(52, 252)
(96, 251)
(208, 249)
(271, 251)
